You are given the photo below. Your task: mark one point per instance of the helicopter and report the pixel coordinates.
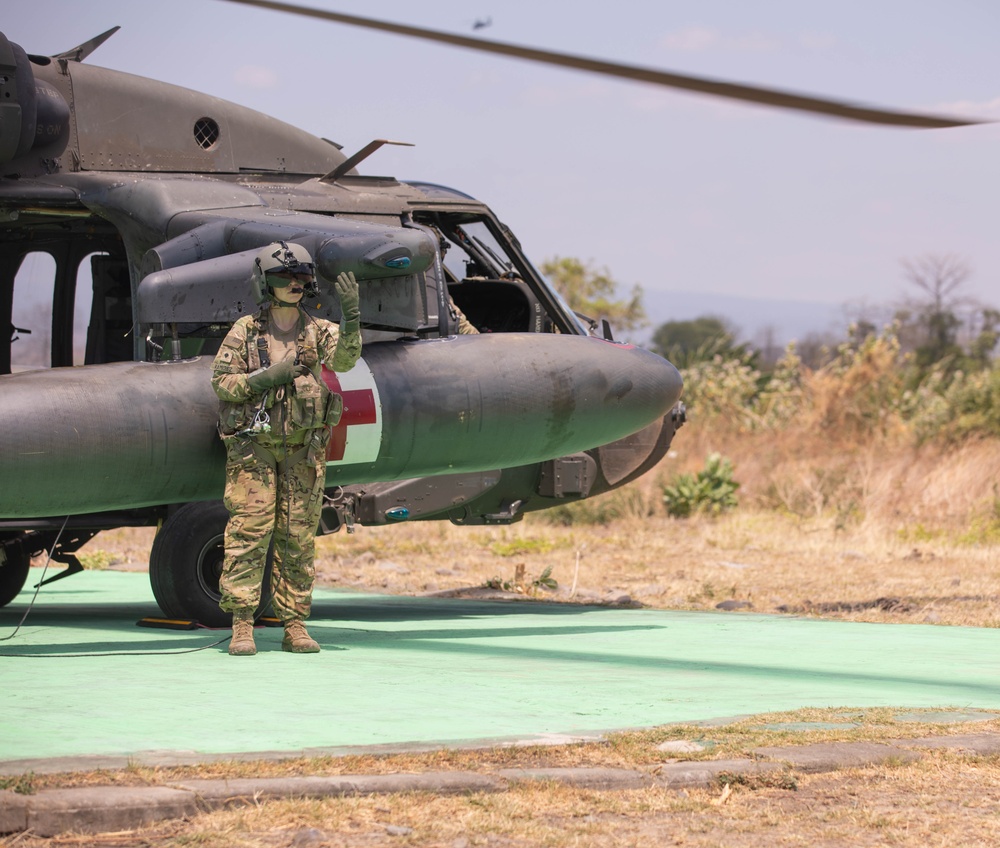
(167, 194)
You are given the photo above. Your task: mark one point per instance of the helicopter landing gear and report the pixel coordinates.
(185, 564)
(15, 559)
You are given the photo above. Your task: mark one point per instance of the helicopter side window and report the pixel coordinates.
(489, 278)
(498, 306)
(31, 312)
(69, 305)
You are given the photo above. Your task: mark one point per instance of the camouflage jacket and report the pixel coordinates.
(305, 404)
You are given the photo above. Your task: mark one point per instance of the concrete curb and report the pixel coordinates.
(827, 757)
(112, 808)
(104, 808)
(218, 793)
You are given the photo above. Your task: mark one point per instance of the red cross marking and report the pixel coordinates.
(359, 408)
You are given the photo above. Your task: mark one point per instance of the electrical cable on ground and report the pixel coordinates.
(31, 605)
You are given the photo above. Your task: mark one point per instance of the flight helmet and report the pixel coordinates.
(280, 258)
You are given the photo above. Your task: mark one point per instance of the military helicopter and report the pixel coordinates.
(167, 194)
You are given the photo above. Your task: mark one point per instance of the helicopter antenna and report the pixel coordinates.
(82, 51)
(360, 156)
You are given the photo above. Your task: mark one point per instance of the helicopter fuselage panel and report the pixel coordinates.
(124, 435)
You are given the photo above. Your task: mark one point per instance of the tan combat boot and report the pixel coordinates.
(297, 640)
(242, 642)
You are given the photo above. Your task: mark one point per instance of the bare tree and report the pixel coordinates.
(939, 277)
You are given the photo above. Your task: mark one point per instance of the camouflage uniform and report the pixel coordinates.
(275, 480)
(465, 326)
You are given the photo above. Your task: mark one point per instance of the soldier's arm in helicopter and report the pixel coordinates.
(341, 348)
(465, 326)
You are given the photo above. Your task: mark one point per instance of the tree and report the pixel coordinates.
(939, 278)
(815, 349)
(592, 291)
(982, 346)
(687, 342)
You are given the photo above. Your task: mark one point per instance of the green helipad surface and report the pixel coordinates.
(419, 670)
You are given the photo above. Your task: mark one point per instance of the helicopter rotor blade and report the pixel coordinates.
(719, 88)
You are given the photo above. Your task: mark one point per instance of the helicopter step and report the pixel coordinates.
(17, 549)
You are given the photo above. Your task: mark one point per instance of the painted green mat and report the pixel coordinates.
(443, 671)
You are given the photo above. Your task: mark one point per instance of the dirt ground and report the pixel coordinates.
(760, 561)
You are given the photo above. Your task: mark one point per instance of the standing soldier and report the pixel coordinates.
(275, 418)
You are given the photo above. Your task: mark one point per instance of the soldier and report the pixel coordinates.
(465, 326)
(275, 418)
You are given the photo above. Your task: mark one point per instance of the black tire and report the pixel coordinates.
(185, 564)
(14, 564)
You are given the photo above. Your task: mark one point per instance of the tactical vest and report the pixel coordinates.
(304, 404)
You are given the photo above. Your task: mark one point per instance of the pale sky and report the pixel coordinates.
(674, 191)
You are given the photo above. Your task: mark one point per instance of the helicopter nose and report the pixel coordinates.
(617, 389)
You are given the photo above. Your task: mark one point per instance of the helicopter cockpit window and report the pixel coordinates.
(489, 281)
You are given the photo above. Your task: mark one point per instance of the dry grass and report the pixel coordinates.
(943, 799)
(941, 803)
(887, 483)
(774, 562)
(874, 806)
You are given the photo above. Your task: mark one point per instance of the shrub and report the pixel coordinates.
(952, 407)
(711, 490)
(733, 389)
(859, 393)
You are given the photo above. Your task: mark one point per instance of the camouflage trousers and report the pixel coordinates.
(273, 491)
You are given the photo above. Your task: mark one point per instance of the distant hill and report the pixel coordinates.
(754, 318)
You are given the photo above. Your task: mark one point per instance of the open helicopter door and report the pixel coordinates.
(110, 331)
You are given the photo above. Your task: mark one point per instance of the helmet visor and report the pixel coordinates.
(284, 275)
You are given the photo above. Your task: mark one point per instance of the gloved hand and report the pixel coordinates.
(350, 300)
(275, 375)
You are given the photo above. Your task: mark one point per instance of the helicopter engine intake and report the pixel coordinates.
(33, 115)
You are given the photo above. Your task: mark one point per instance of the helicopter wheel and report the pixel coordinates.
(14, 564)
(185, 564)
